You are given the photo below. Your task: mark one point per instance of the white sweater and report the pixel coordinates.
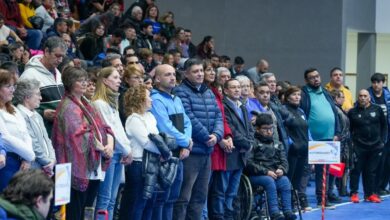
(138, 127)
(15, 135)
(111, 118)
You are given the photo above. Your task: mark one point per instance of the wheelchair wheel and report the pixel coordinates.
(244, 199)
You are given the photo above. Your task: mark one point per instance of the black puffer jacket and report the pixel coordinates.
(265, 157)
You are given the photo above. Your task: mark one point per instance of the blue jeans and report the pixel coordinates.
(109, 188)
(133, 205)
(12, 165)
(272, 187)
(163, 206)
(224, 190)
(34, 38)
(193, 193)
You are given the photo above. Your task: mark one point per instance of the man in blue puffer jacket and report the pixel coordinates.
(207, 129)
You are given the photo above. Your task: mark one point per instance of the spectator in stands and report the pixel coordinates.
(114, 39)
(337, 82)
(129, 51)
(215, 60)
(28, 97)
(60, 27)
(105, 102)
(146, 59)
(224, 61)
(93, 43)
(267, 166)
(168, 25)
(134, 17)
(151, 16)
(133, 77)
(27, 197)
(176, 58)
(16, 53)
(223, 147)
(130, 37)
(115, 61)
(42, 11)
(380, 95)
(369, 134)
(145, 38)
(207, 131)
(44, 69)
(323, 121)
(148, 82)
(27, 11)
(206, 48)
(178, 42)
(255, 72)
(13, 129)
(172, 120)
(297, 156)
(13, 19)
(106, 19)
(140, 123)
(12, 67)
(168, 59)
(91, 86)
(242, 132)
(238, 67)
(101, 6)
(345, 140)
(223, 75)
(192, 50)
(132, 59)
(6, 32)
(81, 137)
(251, 104)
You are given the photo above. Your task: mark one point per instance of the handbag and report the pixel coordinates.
(36, 21)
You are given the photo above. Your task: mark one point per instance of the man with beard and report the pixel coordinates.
(322, 119)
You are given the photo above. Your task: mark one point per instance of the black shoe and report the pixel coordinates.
(383, 192)
(304, 203)
(328, 205)
(334, 199)
(289, 216)
(277, 216)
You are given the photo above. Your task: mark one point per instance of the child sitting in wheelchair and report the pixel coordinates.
(267, 166)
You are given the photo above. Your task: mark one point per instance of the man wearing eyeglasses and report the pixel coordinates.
(322, 119)
(44, 69)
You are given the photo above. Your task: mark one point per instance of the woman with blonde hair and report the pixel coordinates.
(140, 123)
(105, 102)
(133, 77)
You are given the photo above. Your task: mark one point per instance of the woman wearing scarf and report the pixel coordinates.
(81, 137)
(105, 101)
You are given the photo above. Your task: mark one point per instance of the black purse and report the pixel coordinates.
(36, 21)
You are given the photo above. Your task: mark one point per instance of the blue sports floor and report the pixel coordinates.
(347, 210)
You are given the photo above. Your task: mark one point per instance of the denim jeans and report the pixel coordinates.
(12, 165)
(272, 187)
(163, 206)
(193, 193)
(133, 205)
(109, 188)
(34, 38)
(224, 190)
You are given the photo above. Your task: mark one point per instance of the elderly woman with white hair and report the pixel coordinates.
(251, 104)
(27, 96)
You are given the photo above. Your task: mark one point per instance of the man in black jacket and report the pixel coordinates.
(225, 183)
(369, 135)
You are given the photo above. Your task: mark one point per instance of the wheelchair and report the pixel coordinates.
(252, 201)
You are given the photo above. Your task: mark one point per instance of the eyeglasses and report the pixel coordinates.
(269, 129)
(313, 77)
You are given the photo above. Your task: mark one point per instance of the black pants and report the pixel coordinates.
(365, 162)
(383, 175)
(79, 200)
(296, 170)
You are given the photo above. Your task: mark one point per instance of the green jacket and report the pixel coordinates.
(20, 211)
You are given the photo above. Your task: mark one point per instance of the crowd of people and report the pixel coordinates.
(158, 128)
